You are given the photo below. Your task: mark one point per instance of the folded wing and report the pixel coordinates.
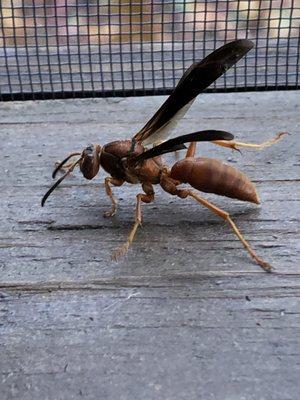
(178, 143)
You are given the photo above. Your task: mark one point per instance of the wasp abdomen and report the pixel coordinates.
(212, 176)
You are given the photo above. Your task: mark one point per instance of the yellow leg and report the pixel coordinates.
(146, 198)
(170, 186)
(233, 144)
(223, 214)
(109, 192)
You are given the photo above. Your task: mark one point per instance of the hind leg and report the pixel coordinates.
(191, 150)
(235, 145)
(170, 186)
(223, 214)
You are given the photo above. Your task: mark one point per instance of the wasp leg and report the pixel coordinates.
(141, 197)
(63, 168)
(233, 144)
(107, 182)
(191, 150)
(223, 214)
(169, 185)
(63, 165)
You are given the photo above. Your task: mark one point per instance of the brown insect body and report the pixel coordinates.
(212, 176)
(114, 159)
(129, 161)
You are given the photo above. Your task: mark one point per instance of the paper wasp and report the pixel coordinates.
(130, 161)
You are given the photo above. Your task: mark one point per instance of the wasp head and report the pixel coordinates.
(89, 164)
(90, 161)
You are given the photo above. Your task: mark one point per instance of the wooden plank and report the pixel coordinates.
(186, 314)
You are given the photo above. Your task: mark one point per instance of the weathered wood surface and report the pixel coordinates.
(187, 314)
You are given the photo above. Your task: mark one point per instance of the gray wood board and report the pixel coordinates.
(186, 314)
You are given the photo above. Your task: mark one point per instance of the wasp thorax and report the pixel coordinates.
(90, 161)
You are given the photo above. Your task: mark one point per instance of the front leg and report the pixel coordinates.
(116, 182)
(63, 165)
(141, 197)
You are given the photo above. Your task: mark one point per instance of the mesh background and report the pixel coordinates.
(81, 48)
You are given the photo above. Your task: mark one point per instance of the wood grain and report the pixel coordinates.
(186, 314)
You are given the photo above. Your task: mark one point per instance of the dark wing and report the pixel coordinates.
(195, 80)
(178, 143)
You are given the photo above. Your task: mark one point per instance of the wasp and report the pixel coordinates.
(132, 161)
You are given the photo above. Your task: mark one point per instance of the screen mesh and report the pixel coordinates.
(80, 48)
